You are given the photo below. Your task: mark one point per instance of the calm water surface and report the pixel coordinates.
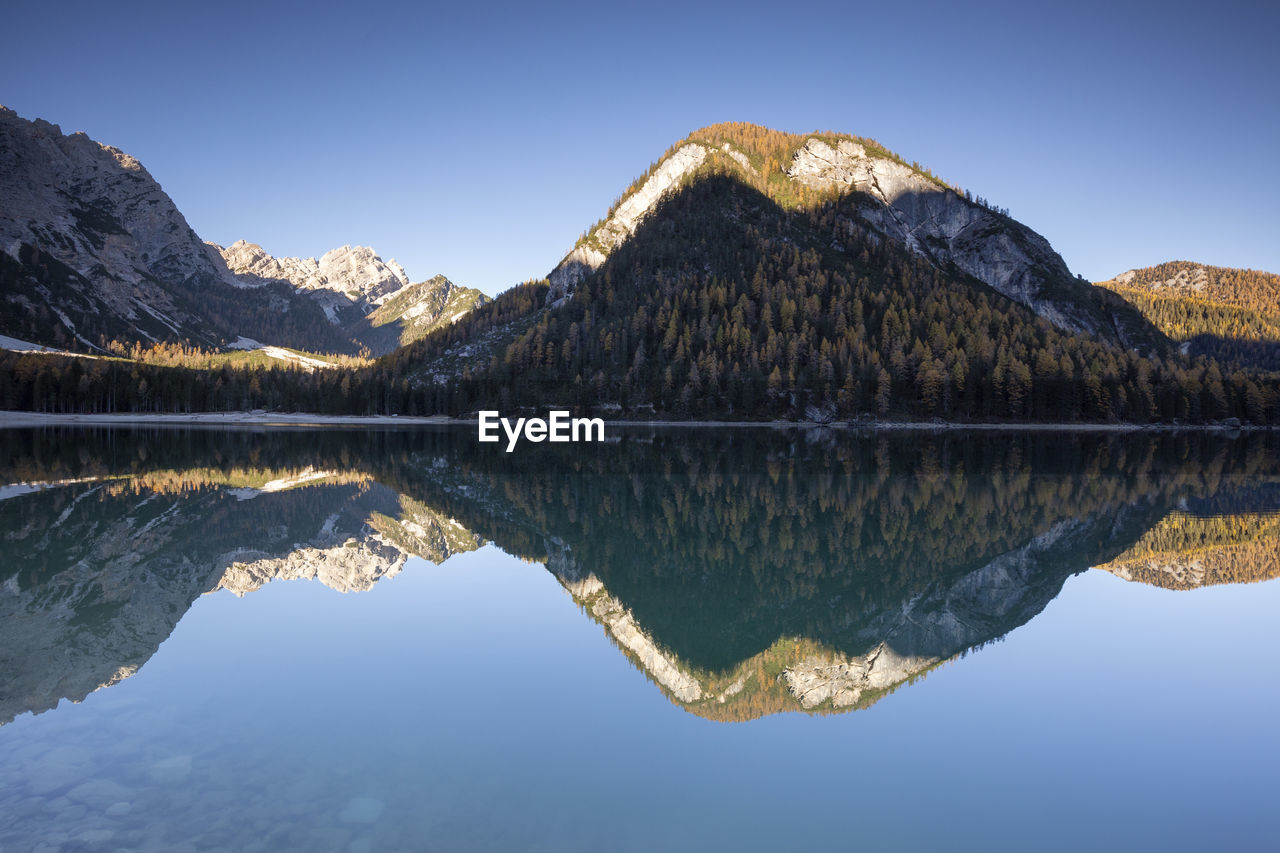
(684, 639)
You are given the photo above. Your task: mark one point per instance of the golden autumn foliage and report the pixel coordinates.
(1187, 551)
(1232, 315)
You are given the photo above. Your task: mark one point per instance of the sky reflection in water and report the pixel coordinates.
(476, 704)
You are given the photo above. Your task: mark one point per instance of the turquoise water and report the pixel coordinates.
(538, 653)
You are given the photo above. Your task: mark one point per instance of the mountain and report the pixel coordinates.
(372, 299)
(754, 572)
(92, 250)
(1231, 315)
(92, 246)
(889, 200)
(749, 274)
(754, 274)
(420, 309)
(341, 279)
(902, 640)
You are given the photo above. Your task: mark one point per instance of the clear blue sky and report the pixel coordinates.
(477, 140)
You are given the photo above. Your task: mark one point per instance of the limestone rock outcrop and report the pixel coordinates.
(935, 221)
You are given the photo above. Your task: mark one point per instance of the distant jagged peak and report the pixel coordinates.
(360, 268)
(353, 565)
(358, 272)
(357, 276)
(254, 265)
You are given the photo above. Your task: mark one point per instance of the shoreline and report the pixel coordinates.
(29, 419)
(14, 419)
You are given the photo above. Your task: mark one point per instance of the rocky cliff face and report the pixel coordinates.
(935, 221)
(92, 245)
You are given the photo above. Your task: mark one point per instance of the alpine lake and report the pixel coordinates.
(324, 639)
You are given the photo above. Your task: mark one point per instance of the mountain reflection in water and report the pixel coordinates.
(745, 572)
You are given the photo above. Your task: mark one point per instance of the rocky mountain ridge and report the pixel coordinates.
(352, 283)
(354, 272)
(622, 222)
(1224, 284)
(93, 250)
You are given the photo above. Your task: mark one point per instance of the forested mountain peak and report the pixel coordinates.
(1232, 315)
(757, 155)
(723, 303)
(1244, 287)
(1186, 550)
(879, 194)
